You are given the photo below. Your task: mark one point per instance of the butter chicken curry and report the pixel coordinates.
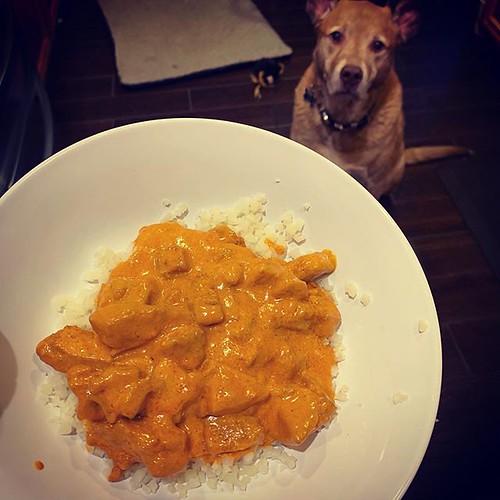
(200, 349)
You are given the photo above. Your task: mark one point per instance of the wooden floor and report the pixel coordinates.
(451, 96)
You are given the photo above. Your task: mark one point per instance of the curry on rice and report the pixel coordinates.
(201, 349)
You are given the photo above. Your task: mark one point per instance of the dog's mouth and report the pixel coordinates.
(347, 93)
(336, 89)
(340, 89)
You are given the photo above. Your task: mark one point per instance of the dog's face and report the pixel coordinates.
(356, 43)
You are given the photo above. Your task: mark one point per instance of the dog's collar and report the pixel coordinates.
(328, 120)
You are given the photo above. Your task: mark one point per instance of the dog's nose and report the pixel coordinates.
(351, 75)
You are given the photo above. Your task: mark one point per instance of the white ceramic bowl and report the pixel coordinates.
(100, 191)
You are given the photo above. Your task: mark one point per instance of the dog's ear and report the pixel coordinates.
(407, 19)
(318, 9)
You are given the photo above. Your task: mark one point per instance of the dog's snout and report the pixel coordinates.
(351, 75)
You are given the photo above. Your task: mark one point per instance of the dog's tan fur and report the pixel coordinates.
(375, 154)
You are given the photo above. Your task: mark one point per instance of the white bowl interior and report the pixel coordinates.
(102, 190)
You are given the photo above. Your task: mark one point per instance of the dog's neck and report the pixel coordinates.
(330, 121)
(350, 112)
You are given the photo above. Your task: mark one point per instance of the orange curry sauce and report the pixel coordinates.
(200, 349)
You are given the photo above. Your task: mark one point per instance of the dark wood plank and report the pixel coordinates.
(479, 343)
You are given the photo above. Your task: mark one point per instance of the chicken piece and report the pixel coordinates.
(172, 260)
(290, 314)
(154, 236)
(118, 390)
(280, 359)
(226, 348)
(127, 325)
(326, 314)
(125, 289)
(264, 272)
(232, 433)
(313, 265)
(184, 344)
(157, 443)
(194, 428)
(230, 273)
(291, 414)
(317, 359)
(288, 285)
(226, 235)
(319, 314)
(73, 346)
(207, 309)
(139, 358)
(227, 390)
(174, 389)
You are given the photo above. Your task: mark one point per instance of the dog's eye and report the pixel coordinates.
(336, 36)
(377, 46)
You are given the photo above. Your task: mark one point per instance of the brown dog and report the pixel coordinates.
(348, 104)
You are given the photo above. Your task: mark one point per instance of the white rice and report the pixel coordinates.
(351, 289)
(423, 325)
(399, 397)
(365, 299)
(353, 292)
(247, 218)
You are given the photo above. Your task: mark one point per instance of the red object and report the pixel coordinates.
(37, 21)
(490, 19)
